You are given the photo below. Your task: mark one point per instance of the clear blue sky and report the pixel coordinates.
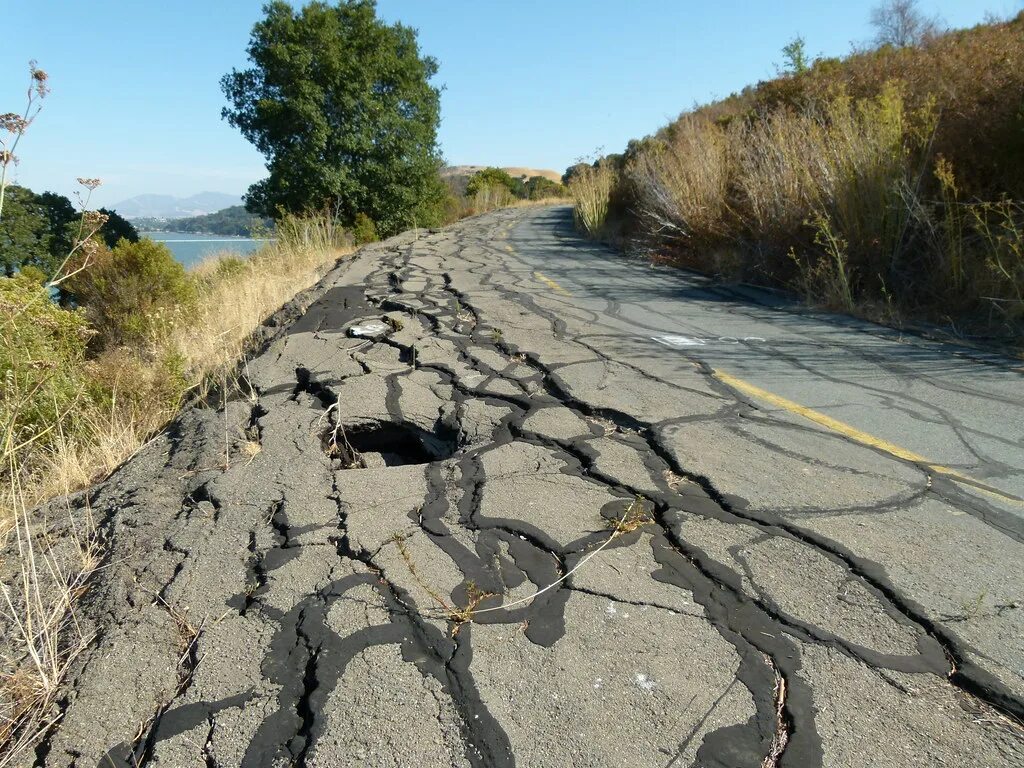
(535, 83)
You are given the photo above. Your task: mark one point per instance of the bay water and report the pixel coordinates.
(190, 248)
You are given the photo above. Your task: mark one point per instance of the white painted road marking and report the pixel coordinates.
(678, 342)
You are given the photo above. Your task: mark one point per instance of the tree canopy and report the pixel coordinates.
(341, 105)
(900, 23)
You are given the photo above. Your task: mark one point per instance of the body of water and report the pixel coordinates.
(190, 248)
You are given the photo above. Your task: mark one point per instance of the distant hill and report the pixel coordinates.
(170, 207)
(513, 171)
(234, 221)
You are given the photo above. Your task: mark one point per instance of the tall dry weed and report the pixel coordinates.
(680, 183)
(591, 190)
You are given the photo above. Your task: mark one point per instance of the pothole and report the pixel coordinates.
(385, 445)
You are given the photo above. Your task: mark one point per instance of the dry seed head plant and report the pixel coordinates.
(14, 125)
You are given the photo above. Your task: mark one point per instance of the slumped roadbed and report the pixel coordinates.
(335, 565)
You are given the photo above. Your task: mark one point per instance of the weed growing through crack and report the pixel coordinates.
(781, 736)
(462, 314)
(636, 517)
(495, 335)
(972, 608)
(457, 615)
(464, 615)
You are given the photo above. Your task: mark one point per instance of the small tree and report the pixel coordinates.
(341, 106)
(364, 230)
(901, 23)
(25, 238)
(794, 53)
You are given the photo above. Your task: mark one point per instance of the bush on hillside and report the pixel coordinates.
(974, 77)
(133, 293)
(540, 187)
(494, 179)
(364, 230)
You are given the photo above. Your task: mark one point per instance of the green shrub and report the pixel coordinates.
(540, 187)
(230, 267)
(364, 230)
(33, 274)
(133, 293)
(42, 356)
(493, 178)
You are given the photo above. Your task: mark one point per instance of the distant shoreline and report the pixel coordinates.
(211, 237)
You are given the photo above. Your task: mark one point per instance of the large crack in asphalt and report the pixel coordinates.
(382, 512)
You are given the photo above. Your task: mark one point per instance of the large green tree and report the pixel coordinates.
(341, 105)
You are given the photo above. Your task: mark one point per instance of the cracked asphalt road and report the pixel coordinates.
(794, 591)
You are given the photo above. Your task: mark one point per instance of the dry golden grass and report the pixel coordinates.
(682, 184)
(42, 636)
(540, 201)
(233, 307)
(495, 198)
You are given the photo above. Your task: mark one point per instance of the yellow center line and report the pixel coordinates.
(863, 437)
(551, 284)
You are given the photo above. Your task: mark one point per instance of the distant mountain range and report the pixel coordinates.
(170, 207)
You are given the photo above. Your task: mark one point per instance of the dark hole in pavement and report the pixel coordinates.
(385, 445)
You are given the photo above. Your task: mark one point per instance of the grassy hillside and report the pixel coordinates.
(890, 182)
